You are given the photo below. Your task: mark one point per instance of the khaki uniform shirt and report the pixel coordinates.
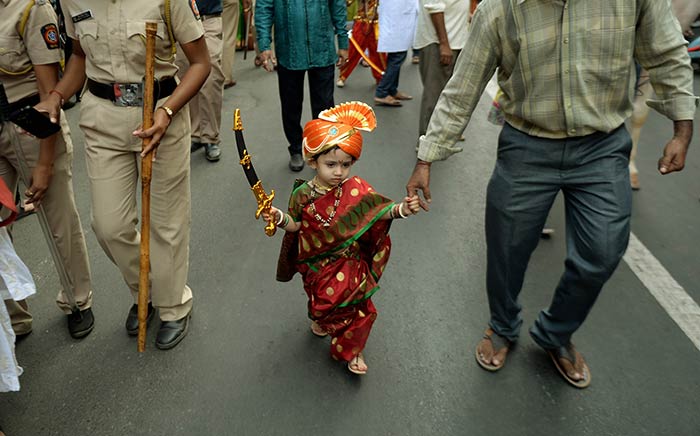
(38, 45)
(112, 35)
(566, 68)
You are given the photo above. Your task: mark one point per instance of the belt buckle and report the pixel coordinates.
(128, 94)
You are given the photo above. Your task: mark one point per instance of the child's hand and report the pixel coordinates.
(410, 205)
(273, 216)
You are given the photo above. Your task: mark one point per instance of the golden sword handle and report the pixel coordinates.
(264, 205)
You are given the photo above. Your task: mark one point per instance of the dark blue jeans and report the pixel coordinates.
(291, 89)
(592, 174)
(390, 80)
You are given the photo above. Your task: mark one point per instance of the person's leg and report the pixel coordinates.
(359, 36)
(20, 316)
(321, 89)
(111, 155)
(519, 195)
(212, 93)
(598, 206)
(389, 80)
(377, 59)
(396, 62)
(230, 21)
(63, 218)
(434, 77)
(348, 341)
(170, 233)
(291, 91)
(64, 222)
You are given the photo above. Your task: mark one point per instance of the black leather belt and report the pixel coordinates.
(208, 16)
(119, 92)
(32, 100)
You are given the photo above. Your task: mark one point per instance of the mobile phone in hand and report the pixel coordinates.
(34, 122)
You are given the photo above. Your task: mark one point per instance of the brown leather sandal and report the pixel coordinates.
(568, 360)
(497, 344)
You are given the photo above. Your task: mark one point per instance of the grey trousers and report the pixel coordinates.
(434, 77)
(592, 174)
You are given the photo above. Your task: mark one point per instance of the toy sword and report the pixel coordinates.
(264, 200)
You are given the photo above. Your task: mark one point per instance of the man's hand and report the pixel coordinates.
(420, 181)
(445, 54)
(51, 106)
(676, 149)
(266, 59)
(39, 183)
(674, 156)
(342, 58)
(161, 121)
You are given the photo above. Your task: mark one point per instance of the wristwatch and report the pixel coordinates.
(168, 111)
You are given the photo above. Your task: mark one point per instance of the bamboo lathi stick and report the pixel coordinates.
(146, 170)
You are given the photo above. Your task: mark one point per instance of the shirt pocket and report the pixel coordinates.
(90, 41)
(13, 55)
(609, 52)
(136, 34)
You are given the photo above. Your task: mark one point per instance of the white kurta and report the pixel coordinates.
(15, 284)
(397, 24)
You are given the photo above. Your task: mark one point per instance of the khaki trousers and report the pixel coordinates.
(231, 17)
(205, 106)
(113, 164)
(61, 213)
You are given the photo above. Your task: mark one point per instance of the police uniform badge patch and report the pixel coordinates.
(50, 34)
(195, 11)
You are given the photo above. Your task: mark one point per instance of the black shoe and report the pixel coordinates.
(80, 323)
(132, 319)
(213, 152)
(296, 162)
(195, 146)
(172, 332)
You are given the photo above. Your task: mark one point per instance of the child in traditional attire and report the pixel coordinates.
(337, 232)
(15, 284)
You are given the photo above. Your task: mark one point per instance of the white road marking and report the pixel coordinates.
(670, 295)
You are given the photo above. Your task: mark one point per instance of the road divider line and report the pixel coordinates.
(670, 295)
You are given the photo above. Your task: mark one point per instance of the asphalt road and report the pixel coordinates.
(250, 366)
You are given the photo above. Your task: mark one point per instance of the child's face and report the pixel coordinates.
(332, 167)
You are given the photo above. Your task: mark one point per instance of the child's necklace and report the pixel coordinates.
(336, 203)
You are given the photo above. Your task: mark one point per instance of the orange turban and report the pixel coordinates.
(339, 126)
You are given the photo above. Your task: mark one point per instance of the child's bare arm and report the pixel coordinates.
(409, 206)
(282, 219)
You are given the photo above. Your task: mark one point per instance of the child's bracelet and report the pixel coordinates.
(279, 221)
(286, 220)
(401, 212)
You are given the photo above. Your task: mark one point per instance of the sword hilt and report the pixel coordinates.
(264, 205)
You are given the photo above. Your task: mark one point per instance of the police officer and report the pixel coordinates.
(29, 64)
(205, 107)
(108, 49)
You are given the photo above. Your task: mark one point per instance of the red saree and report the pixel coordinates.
(341, 262)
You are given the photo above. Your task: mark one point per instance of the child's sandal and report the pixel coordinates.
(354, 365)
(318, 330)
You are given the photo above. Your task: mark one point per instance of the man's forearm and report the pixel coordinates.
(73, 77)
(438, 20)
